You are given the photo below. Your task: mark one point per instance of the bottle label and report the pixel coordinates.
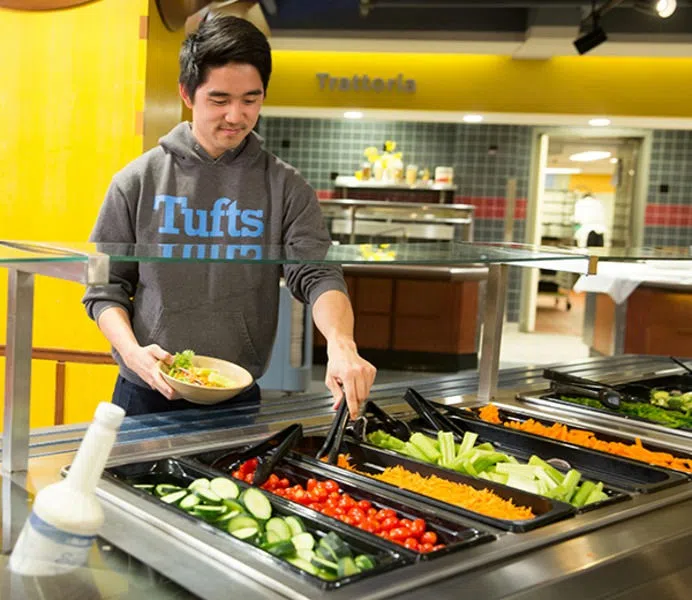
(49, 550)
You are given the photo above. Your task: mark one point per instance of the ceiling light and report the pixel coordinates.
(590, 156)
(660, 8)
(599, 122)
(562, 171)
(473, 118)
(613, 161)
(353, 114)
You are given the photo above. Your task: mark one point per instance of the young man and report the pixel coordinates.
(211, 182)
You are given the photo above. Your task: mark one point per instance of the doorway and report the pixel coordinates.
(587, 189)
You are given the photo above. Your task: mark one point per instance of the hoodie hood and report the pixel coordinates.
(181, 142)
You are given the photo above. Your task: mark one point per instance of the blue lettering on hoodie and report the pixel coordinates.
(225, 219)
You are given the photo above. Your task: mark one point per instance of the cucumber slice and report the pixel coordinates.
(277, 530)
(257, 504)
(208, 497)
(146, 487)
(303, 540)
(224, 488)
(365, 562)
(304, 553)
(248, 534)
(281, 549)
(234, 507)
(242, 522)
(201, 483)
(304, 565)
(335, 545)
(163, 489)
(189, 502)
(323, 563)
(296, 524)
(208, 513)
(347, 567)
(174, 497)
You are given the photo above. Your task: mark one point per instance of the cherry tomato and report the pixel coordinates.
(339, 511)
(385, 513)
(331, 486)
(237, 474)
(335, 495)
(284, 483)
(369, 526)
(406, 522)
(371, 512)
(417, 528)
(272, 481)
(321, 492)
(399, 534)
(348, 520)
(311, 484)
(429, 537)
(438, 547)
(389, 523)
(425, 548)
(357, 515)
(249, 477)
(364, 504)
(411, 543)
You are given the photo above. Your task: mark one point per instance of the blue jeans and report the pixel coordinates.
(137, 400)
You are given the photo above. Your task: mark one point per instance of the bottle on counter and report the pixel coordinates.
(67, 516)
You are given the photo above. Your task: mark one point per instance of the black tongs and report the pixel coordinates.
(268, 453)
(606, 394)
(384, 420)
(332, 444)
(430, 413)
(677, 361)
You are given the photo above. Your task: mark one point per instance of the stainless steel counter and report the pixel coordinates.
(632, 548)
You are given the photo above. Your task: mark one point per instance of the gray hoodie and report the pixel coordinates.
(178, 196)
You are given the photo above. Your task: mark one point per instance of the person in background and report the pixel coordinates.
(211, 182)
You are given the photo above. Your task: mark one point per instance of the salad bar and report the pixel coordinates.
(428, 492)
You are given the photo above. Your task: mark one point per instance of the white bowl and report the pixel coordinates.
(200, 394)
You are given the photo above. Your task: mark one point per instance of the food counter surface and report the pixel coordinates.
(630, 548)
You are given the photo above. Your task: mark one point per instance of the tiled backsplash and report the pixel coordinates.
(669, 209)
(484, 157)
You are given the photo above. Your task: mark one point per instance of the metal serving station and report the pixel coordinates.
(634, 544)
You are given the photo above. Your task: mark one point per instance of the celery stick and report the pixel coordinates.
(548, 468)
(485, 446)
(426, 446)
(499, 477)
(582, 494)
(522, 483)
(569, 485)
(522, 470)
(468, 466)
(467, 443)
(547, 480)
(597, 494)
(446, 440)
(413, 451)
(482, 463)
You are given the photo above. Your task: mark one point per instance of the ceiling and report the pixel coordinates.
(518, 28)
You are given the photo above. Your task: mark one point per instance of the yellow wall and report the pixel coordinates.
(566, 85)
(592, 183)
(80, 91)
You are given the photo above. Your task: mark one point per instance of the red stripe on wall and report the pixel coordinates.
(669, 215)
(492, 208)
(485, 207)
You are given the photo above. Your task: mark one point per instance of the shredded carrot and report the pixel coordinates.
(481, 501)
(588, 439)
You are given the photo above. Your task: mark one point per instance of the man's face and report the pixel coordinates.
(225, 107)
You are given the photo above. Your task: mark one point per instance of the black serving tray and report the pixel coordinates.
(614, 471)
(369, 459)
(615, 494)
(519, 417)
(180, 472)
(454, 535)
(640, 389)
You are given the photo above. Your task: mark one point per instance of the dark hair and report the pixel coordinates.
(220, 40)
